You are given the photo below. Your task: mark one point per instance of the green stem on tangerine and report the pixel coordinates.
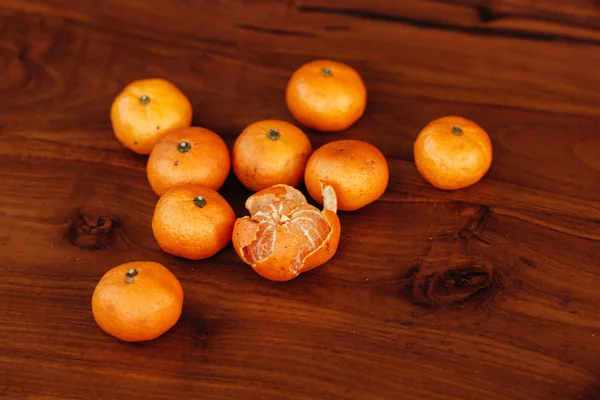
(456, 130)
(200, 201)
(273, 134)
(184, 147)
(326, 72)
(144, 99)
(130, 275)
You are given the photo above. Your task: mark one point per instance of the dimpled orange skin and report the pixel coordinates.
(287, 254)
(270, 152)
(188, 155)
(185, 227)
(453, 153)
(326, 95)
(357, 171)
(139, 126)
(140, 307)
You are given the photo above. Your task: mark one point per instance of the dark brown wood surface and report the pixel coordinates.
(491, 292)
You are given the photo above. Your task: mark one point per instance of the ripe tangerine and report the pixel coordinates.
(137, 301)
(326, 95)
(145, 109)
(357, 171)
(453, 153)
(270, 152)
(193, 222)
(188, 155)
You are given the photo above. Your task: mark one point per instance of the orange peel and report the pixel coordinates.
(285, 236)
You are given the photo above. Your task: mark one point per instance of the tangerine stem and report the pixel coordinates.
(200, 201)
(326, 72)
(273, 134)
(144, 99)
(130, 274)
(456, 130)
(184, 147)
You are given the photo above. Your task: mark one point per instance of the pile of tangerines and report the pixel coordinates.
(283, 235)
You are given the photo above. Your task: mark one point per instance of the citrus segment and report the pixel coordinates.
(284, 235)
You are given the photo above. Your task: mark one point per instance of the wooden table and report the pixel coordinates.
(492, 292)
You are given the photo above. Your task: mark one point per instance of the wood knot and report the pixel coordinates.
(454, 284)
(591, 393)
(90, 231)
(485, 14)
(475, 225)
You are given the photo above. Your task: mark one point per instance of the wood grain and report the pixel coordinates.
(490, 292)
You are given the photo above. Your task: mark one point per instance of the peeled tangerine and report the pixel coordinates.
(284, 235)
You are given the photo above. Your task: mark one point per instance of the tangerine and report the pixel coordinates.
(357, 171)
(270, 152)
(137, 301)
(453, 153)
(145, 109)
(188, 155)
(285, 236)
(326, 95)
(192, 221)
